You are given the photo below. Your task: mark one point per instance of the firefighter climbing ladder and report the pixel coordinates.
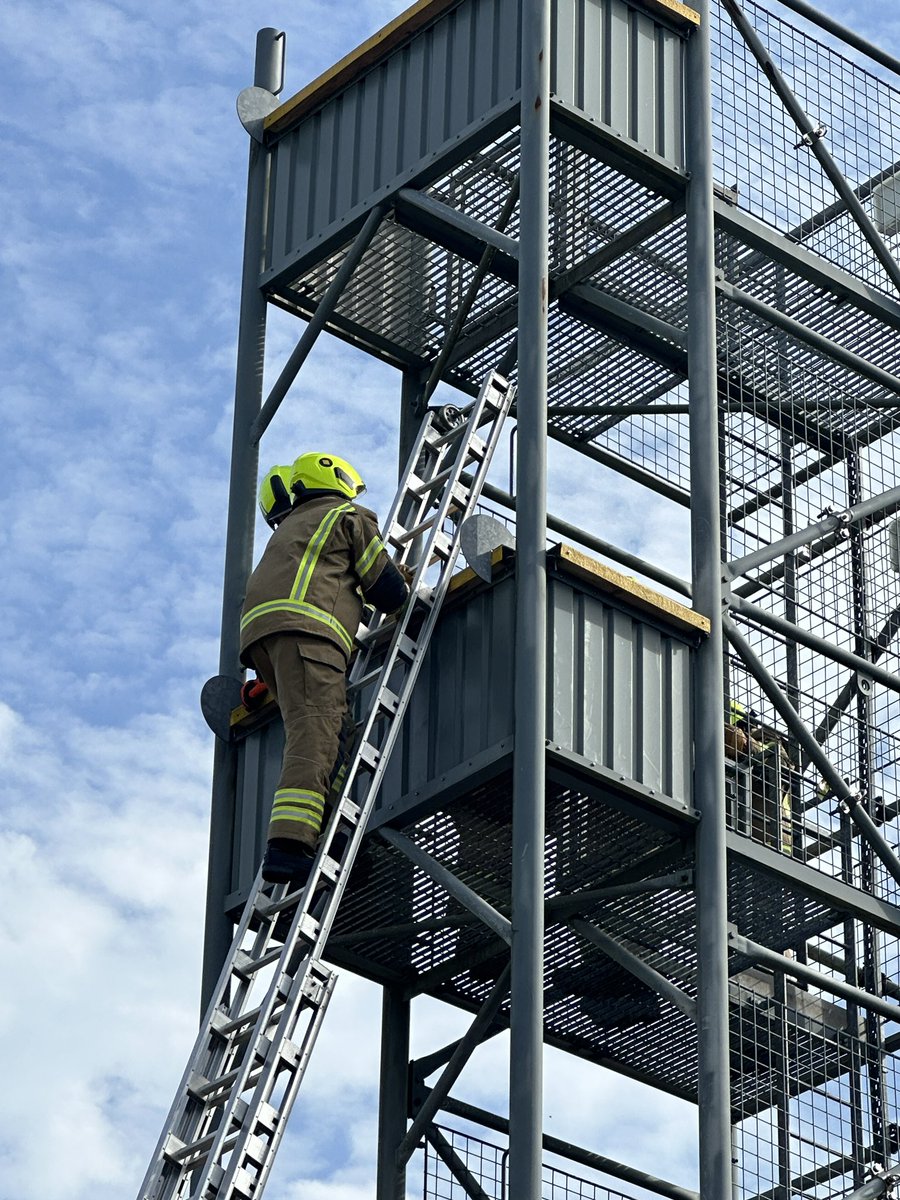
(233, 1103)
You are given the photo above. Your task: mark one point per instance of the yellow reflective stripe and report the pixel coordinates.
(299, 793)
(372, 551)
(299, 818)
(314, 548)
(303, 610)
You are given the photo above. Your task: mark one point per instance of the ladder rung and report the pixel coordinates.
(387, 701)
(409, 535)
(369, 756)
(364, 680)
(349, 809)
(251, 965)
(477, 447)
(424, 486)
(436, 440)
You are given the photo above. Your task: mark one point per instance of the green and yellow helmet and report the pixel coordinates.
(275, 497)
(317, 471)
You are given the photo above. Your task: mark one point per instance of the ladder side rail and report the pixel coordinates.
(335, 891)
(275, 1063)
(261, 1058)
(372, 783)
(202, 1045)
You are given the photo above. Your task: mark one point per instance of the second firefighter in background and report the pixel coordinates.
(303, 606)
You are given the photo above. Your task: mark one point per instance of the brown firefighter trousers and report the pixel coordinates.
(312, 696)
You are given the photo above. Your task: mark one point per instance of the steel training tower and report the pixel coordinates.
(659, 834)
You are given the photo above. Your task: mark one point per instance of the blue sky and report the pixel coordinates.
(120, 250)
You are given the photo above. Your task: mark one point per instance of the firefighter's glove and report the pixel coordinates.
(254, 694)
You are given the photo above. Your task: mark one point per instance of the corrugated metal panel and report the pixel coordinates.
(623, 68)
(616, 63)
(385, 124)
(619, 691)
(618, 696)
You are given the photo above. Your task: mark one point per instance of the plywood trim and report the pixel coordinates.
(378, 46)
(576, 563)
(393, 35)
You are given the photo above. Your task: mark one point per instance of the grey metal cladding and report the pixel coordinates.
(618, 696)
(619, 691)
(622, 68)
(614, 62)
(385, 125)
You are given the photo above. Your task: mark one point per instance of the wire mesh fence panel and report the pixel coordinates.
(459, 1166)
(823, 1101)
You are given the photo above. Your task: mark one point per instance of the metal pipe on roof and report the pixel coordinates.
(715, 1133)
(576, 534)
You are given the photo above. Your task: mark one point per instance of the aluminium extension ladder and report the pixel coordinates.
(230, 1112)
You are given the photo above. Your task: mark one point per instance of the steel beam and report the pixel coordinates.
(806, 265)
(575, 1154)
(798, 634)
(472, 1038)
(455, 1165)
(823, 889)
(843, 34)
(826, 983)
(635, 966)
(456, 888)
(465, 307)
(810, 337)
(324, 309)
(875, 508)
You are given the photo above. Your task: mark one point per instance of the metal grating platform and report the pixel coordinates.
(398, 925)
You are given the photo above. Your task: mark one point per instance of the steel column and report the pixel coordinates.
(527, 974)
(715, 1139)
(393, 1099)
(241, 516)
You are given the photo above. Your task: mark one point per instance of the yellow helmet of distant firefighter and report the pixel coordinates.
(319, 471)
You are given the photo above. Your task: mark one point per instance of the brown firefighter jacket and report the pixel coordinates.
(322, 559)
